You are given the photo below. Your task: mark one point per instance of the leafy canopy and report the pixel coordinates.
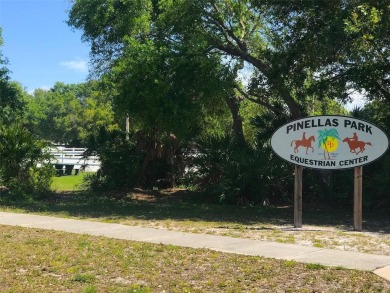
(69, 113)
(9, 92)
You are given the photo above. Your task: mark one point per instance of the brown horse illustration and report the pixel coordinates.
(303, 142)
(356, 146)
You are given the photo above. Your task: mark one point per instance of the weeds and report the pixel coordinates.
(80, 263)
(315, 266)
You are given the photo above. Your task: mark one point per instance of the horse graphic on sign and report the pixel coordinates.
(304, 142)
(355, 145)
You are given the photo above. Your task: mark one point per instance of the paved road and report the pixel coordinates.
(379, 264)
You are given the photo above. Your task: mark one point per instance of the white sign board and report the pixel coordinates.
(329, 142)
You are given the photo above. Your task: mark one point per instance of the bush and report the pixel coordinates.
(120, 161)
(20, 154)
(233, 173)
(145, 159)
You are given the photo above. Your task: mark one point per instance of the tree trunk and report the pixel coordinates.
(237, 120)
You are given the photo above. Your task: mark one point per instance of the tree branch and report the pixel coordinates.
(262, 103)
(229, 49)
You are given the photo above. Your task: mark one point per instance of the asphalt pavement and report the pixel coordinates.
(379, 264)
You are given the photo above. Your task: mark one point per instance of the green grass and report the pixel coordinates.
(68, 182)
(34, 260)
(315, 266)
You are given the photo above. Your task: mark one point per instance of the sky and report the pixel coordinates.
(40, 47)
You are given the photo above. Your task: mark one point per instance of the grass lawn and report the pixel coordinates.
(68, 182)
(34, 260)
(45, 261)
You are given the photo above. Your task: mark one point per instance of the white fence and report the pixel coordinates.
(75, 157)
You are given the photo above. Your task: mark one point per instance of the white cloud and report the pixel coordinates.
(80, 66)
(43, 87)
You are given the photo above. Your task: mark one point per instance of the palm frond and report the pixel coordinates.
(334, 133)
(322, 136)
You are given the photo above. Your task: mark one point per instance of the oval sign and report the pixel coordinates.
(329, 142)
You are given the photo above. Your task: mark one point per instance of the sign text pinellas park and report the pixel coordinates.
(329, 142)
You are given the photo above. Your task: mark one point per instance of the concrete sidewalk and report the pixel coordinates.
(379, 264)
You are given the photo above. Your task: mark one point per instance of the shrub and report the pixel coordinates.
(120, 162)
(143, 159)
(230, 172)
(20, 154)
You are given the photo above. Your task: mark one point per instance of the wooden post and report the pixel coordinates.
(298, 197)
(357, 199)
(127, 127)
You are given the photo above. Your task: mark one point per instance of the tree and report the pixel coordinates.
(69, 113)
(177, 90)
(20, 154)
(9, 92)
(368, 64)
(288, 53)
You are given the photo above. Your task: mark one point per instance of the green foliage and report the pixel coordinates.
(179, 91)
(20, 154)
(69, 113)
(106, 23)
(290, 55)
(139, 289)
(265, 125)
(120, 161)
(278, 174)
(84, 278)
(231, 172)
(146, 159)
(315, 266)
(11, 101)
(377, 183)
(10, 93)
(248, 112)
(376, 175)
(326, 107)
(367, 28)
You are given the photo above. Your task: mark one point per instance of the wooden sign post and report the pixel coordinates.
(357, 198)
(298, 197)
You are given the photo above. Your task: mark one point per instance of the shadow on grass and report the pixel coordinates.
(183, 205)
